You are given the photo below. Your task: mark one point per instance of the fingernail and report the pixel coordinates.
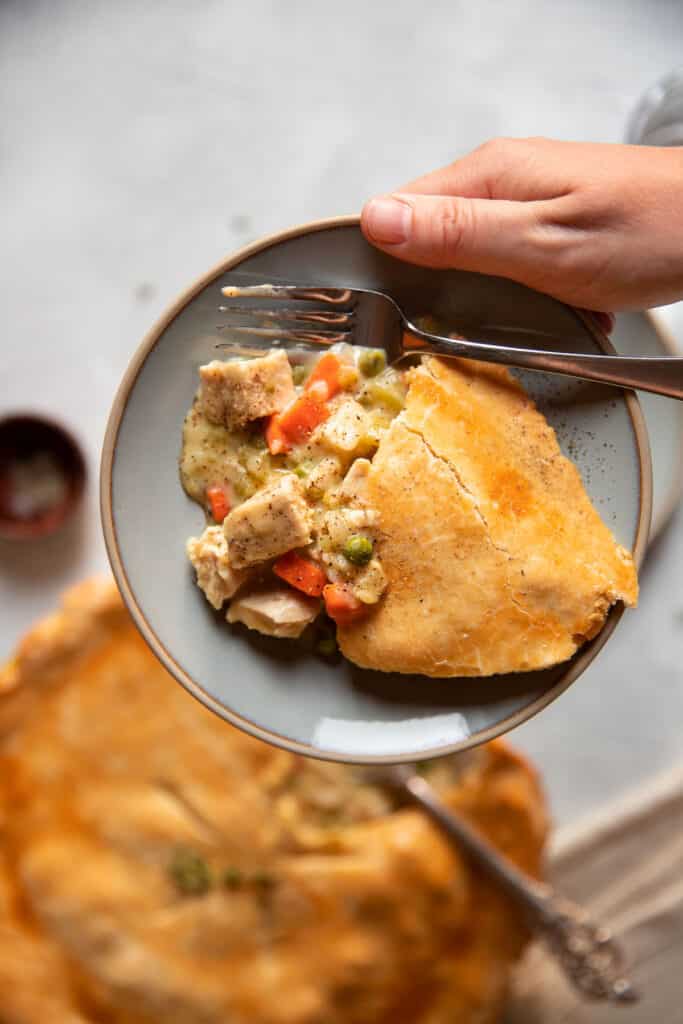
(606, 321)
(388, 220)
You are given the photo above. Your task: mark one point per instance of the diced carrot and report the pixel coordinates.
(318, 391)
(275, 438)
(341, 605)
(219, 503)
(300, 573)
(298, 421)
(326, 371)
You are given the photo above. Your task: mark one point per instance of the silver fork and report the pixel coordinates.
(371, 318)
(587, 953)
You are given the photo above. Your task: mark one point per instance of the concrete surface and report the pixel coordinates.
(141, 142)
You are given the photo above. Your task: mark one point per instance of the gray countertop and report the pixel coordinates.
(141, 143)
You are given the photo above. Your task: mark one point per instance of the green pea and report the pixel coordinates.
(299, 374)
(232, 878)
(358, 549)
(302, 468)
(190, 873)
(371, 362)
(327, 642)
(327, 645)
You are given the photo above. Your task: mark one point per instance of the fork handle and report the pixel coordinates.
(663, 376)
(588, 955)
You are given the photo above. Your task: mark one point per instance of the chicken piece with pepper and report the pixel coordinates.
(275, 520)
(278, 611)
(216, 577)
(240, 390)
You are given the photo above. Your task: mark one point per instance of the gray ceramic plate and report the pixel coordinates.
(270, 688)
(642, 334)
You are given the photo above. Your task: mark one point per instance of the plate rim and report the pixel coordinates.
(120, 402)
(662, 519)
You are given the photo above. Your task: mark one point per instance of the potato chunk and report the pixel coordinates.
(369, 583)
(276, 519)
(326, 475)
(354, 488)
(275, 611)
(235, 392)
(215, 575)
(346, 431)
(340, 524)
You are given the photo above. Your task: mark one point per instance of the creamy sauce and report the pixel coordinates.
(213, 456)
(342, 530)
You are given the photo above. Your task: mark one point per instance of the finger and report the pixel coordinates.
(486, 235)
(464, 177)
(521, 169)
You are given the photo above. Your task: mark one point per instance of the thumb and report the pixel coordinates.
(494, 236)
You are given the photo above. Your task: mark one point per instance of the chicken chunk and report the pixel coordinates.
(276, 611)
(347, 431)
(235, 392)
(215, 576)
(275, 520)
(324, 476)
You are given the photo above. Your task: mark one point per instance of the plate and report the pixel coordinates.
(270, 688)
(642, 334)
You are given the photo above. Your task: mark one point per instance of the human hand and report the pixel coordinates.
(599, 226)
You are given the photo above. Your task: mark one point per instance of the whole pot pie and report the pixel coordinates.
(157, 865)
(426, 516)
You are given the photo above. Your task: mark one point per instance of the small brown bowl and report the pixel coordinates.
(42, 476)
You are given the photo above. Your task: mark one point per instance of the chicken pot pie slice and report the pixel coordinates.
(495, 558)
(158, 866)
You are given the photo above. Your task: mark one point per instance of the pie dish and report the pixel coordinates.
(157, 865)
(295, 698)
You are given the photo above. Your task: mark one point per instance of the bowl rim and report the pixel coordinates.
(137, 361)
(663, 516)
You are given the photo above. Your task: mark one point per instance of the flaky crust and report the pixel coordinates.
(496, 559)
(107, 768)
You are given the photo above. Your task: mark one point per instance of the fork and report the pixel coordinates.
(361, 316)
(587, 953)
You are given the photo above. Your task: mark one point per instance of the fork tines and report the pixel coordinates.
(332, 296)
(302, 326)
(319, 316)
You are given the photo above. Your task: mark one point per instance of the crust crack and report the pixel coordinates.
(477, 511)
(463, 487)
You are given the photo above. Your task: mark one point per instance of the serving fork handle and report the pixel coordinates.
(587, 953)
(661, 375)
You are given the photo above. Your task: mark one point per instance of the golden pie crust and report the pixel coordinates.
(346, 910)
(495, 557)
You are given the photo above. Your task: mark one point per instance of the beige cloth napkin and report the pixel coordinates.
(626, 868)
